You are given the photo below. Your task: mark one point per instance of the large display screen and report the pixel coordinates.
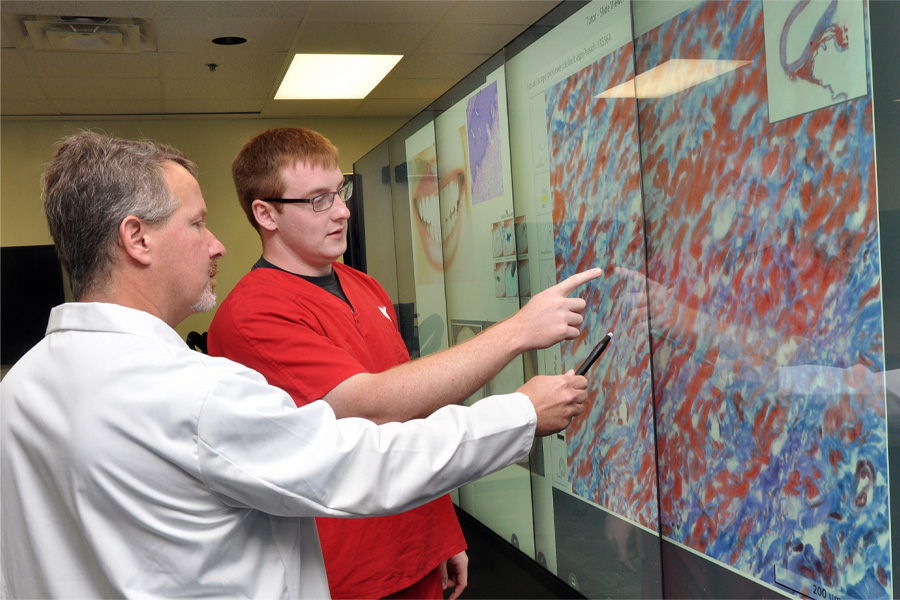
(717, 160)
(768, 348)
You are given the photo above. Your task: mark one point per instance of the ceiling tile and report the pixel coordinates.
(194, 9)
(28, 107)
(108, 107)
(439, 66)
(90, 65)
(20, 88)
(191, 35)
(6, 35)
(72, 8)
(519, 12)
(442, 41)
(213, 106)
(360, 38)
(381, 107)
(459, 38)
(210, 88)
(309, 108)
(175, 65)
(379, 10)
(411, 88)
(68, 88)
(12, 64)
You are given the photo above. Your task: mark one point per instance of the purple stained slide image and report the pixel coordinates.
(485, 152)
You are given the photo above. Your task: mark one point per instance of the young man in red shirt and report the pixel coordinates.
(320, 329)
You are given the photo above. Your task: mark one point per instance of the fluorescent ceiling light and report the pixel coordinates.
(334, 76)
(671, 77)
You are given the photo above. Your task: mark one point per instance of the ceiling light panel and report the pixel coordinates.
(334, 76)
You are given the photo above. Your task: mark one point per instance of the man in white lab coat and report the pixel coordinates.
(133, 466)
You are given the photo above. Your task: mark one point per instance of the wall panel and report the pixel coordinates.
(718, 160)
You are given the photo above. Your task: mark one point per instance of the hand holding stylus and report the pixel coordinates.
(594, 355)
(557, 399)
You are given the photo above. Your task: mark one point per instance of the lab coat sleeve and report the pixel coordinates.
(256, 449)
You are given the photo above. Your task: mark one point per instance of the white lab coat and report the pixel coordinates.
(134, 466)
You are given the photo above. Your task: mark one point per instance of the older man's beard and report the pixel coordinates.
(207, 299)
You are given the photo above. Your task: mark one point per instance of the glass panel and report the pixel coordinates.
(886, 92)
(718, 161)
(416, 217)
(375, 176)
(480, 265)
(764, 276)
(577, 181)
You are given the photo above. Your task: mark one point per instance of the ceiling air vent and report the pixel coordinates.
(81, 34)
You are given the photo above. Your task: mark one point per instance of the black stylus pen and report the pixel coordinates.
(594, 355)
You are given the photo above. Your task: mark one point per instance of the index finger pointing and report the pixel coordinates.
(570, 284)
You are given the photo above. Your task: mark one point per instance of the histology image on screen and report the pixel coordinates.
(597, 221)
(485, 152)
(765, 313)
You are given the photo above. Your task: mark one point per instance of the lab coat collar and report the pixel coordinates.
(102, 316)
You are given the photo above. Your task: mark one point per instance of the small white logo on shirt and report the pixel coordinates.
(384, 311)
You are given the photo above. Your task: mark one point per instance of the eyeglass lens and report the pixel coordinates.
(324, 201)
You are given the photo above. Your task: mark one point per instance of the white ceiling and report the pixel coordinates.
(441, 40)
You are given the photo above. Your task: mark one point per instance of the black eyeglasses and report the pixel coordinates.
(320, 202)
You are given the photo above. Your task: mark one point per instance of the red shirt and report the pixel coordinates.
(306, 341)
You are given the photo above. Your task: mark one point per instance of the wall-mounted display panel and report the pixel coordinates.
(717, 160)
(580, 192)
(764, 278)
(476, 230)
